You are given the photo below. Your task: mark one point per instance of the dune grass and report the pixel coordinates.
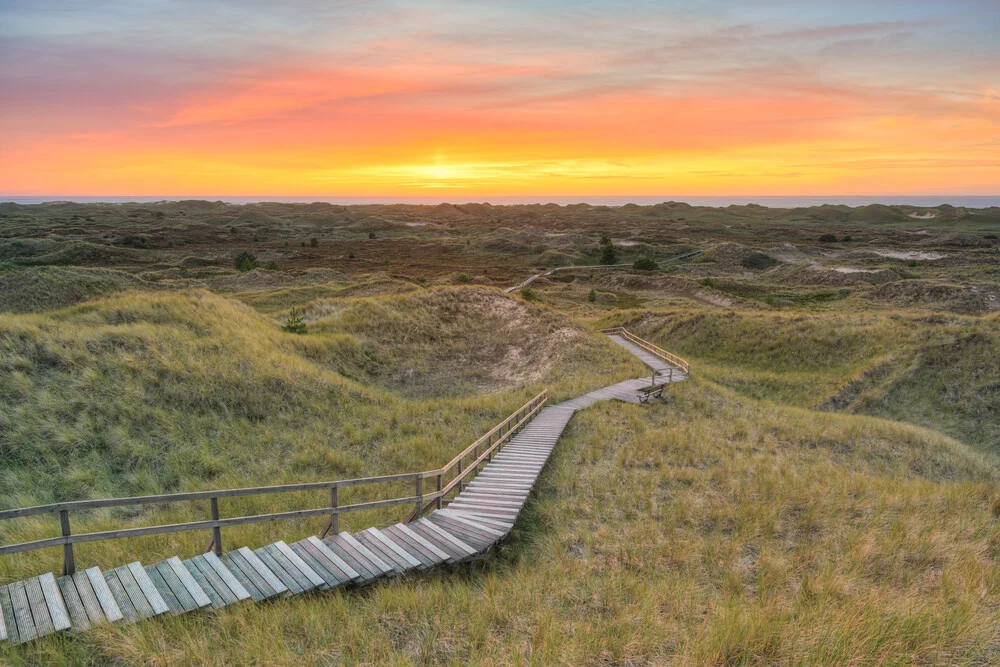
(939, 371)
(715, 529)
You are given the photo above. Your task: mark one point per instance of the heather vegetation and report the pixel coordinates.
(825, 490)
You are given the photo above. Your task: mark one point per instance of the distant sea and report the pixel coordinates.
(976, 201)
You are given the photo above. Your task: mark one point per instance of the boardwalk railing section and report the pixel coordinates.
(668, 357)
(450, 479)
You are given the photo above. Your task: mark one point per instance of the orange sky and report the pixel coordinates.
(513, 99)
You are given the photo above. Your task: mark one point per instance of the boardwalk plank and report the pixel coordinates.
(447, 536)
(403, 541)
(211, 578)
(291, 586)
(175, 586)
(301, 584)
(423, 542)
(255, 593)
(54, 601)
(196, 591)
(297, 561)
(214, 598)
(226, 576)
(252, 559)
(39, 610)
(74, 604)
(99, 586)
(328, 553)
(140, 603)
(174, 605)
(366, 568)
(22, 612)
(247, 576)
(152, 594)
(330, 580)
(121, 597)
(369, 555)
(7, 613)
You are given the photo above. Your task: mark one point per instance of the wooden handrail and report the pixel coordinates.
(512, 423)
(669, 357)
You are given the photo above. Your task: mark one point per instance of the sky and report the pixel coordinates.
(460, 100)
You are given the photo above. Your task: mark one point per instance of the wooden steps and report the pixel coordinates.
(483, 513)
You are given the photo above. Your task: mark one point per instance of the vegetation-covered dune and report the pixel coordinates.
(825, 490)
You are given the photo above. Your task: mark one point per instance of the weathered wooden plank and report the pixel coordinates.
(196, 591)
(142, 605)
(476, 538)
(150, 591)
(328, 553)
(22, 612)
(163, 587)
(92, 605)
(285, 570)
(227, 577)
(78, 617)
(362, 566)
(121, 596)
(176, 586)
(54, 601)
(7, 612)
(287, 579)
(300, 580)
(297, 561)
(215, 599)
(485, 526)
(398, 550)
(109, 604)
(322, 559)
(371, 557)
(409, 546)
(211, 577)
(230, 561)
(3, 621)
(39, 610)
(399, 566)
(423, 542)
(448, 535)
(276, 585)
(330, 579)
(454, 554)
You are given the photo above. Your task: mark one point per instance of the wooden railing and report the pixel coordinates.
(669, 357)
(465, 464)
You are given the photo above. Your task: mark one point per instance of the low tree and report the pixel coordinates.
(372, 235)
(828, 238)
(295, 323)
(314, 242)
(608, 254)
(645, 264)
(529, 294)
(246, 261)
(592, 297)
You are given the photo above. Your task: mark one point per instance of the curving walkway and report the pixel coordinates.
(483, 513)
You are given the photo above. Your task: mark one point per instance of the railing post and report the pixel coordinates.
(69, 564)
(420, 496)
(216, 530)
(439, 490)
(461, 483)
(333, 525)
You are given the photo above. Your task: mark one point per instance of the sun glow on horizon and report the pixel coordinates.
(496, 100)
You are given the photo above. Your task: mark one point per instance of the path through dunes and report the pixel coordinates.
(464, 528)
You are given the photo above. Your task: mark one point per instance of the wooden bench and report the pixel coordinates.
(652, 391)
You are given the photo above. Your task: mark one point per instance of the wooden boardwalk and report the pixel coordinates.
(482, 514)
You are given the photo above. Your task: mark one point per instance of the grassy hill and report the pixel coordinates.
(714, 529)
(826, 489)
(935, 370)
